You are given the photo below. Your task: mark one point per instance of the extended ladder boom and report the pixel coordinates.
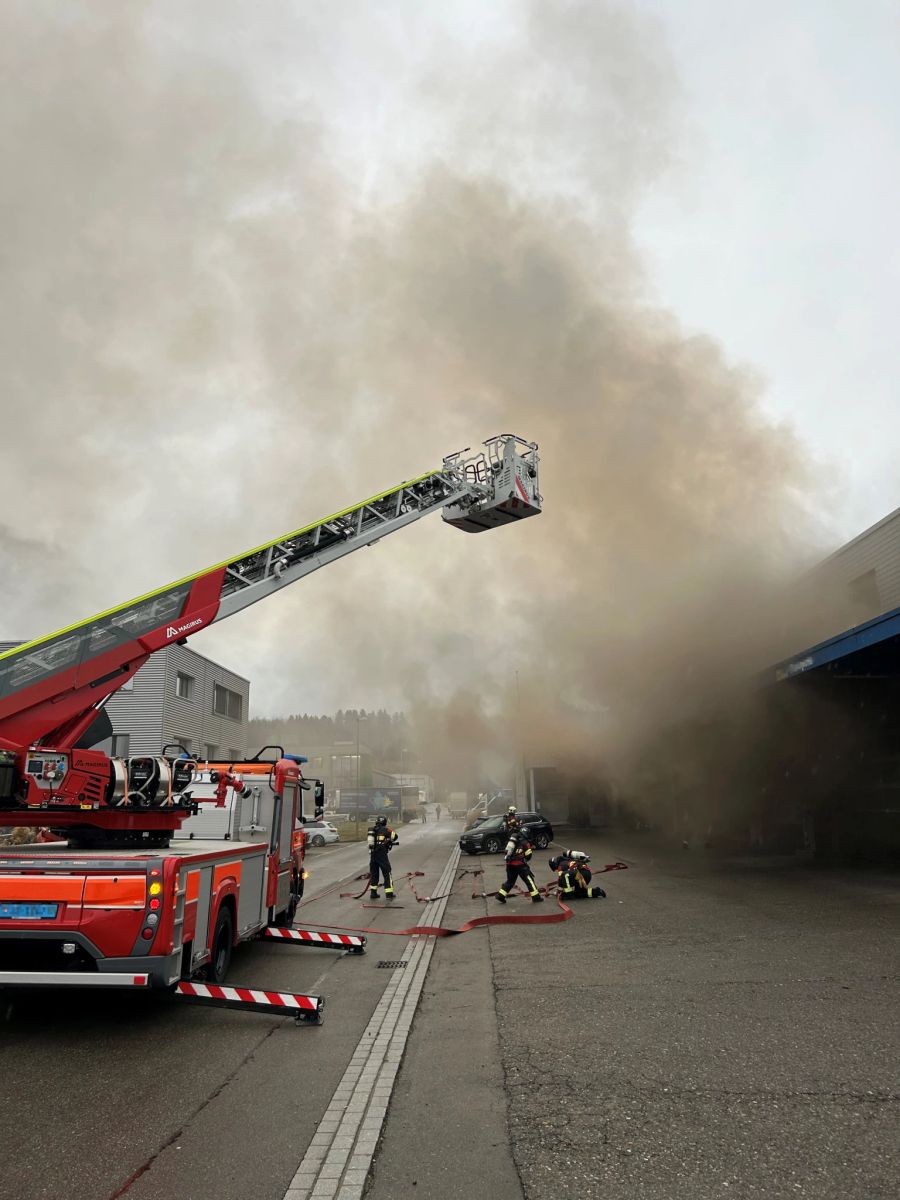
(51, 688)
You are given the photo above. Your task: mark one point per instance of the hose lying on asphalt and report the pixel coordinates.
(552, 918)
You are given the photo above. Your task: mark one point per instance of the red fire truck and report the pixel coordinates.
(120, 900)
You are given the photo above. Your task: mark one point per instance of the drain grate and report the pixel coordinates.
(391, 964)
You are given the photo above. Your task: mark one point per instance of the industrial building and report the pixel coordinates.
(181, 697)
(808, 759)
(834, 712)
(341, 766)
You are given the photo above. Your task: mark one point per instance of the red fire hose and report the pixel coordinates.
(564, 913)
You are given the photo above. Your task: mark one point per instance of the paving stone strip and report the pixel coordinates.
(337, 1161)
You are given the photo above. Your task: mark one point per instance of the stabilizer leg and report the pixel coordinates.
(303, 1008)
(352, 943)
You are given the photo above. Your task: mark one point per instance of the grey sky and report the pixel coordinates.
(776, 230)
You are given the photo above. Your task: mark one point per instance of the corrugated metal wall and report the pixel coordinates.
(137, 711)
(192, 721)
(868, 567)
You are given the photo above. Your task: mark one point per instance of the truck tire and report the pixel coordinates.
(222, 946)
(286, 916)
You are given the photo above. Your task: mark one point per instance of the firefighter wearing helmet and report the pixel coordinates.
(511, 820)
(380, 840)
(518, 866)
(573, 876)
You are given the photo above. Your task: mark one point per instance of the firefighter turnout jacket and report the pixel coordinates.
(381, 839)
(518, 849)
(518, 858)
(573, 876)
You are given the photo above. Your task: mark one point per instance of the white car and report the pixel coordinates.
(320, 833)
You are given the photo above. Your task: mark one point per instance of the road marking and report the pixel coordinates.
(337, 1161)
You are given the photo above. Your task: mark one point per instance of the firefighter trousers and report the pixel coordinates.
(379, 866)
(577, 886)
(512, 874)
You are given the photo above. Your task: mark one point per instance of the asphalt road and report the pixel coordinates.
(115, 1095)
(708, 1030)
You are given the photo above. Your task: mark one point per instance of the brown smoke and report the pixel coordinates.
(226, 312)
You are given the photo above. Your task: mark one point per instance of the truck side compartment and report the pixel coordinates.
(111, 913)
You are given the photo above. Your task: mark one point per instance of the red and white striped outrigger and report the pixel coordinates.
(353, 943)
(303, 1008)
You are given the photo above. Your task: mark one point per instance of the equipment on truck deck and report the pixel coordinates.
(52, 689)
(160, 912)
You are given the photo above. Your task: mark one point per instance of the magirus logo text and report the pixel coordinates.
(174, 631)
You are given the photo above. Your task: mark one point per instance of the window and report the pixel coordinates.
(212, 753)
(120, 745)
(184, 686)
(227, 703)
(183, 742)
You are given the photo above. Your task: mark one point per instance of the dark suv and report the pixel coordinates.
(489, 836)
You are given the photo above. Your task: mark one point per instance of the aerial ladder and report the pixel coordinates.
(53, 689)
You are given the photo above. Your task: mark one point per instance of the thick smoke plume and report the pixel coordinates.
(260, 264)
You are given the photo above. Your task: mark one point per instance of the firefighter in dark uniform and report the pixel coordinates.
(380, 840)
(510, 821)
(573, 876)
(518, 860)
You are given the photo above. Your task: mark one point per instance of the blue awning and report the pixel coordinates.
(870, 648)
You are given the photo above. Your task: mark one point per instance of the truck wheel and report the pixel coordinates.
(286, 916)
(222, 946)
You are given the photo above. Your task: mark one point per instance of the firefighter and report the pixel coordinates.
(518, 857)
(511, 819)
(381, 839)
(573, 876)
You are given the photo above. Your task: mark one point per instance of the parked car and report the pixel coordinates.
(320, 833)
(488, 836)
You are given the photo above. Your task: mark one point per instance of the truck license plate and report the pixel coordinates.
(27, 912)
